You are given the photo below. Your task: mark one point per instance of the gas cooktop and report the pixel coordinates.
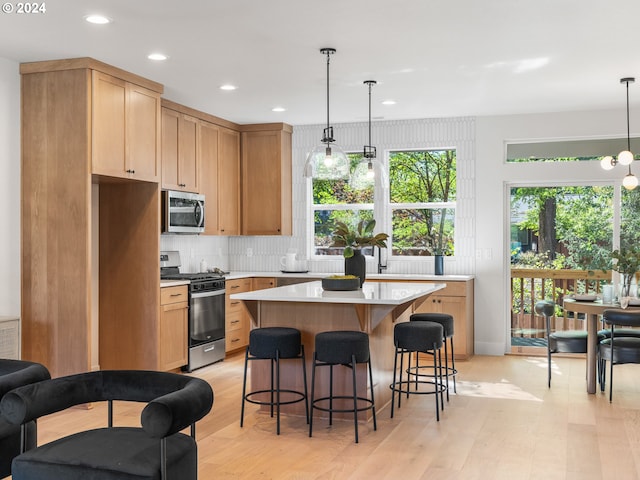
(191, 276)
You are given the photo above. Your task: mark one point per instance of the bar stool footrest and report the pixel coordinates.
(248, 398)
(398, 387)
(369, 404)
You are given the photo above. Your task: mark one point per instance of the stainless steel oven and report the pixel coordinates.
(206, 311)
(206, 322)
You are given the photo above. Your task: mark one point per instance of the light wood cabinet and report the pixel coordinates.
(457, 300)
(228, 182)
(266, 179)
(180, 160)
(237, 319)
(220, 163)
(125, 128)
(174, 340)
(262, 283)
(76, 272)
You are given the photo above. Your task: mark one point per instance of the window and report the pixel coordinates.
(338, 200)
(417, 209)
(422, 190)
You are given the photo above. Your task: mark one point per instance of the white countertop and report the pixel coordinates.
(372, 276)
(372, 293)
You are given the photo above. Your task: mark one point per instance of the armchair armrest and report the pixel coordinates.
(16, 373)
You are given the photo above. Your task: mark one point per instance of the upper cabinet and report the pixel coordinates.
(219, 151)
(125, 129)
(266, 179)
(180, 162)
(229, 182)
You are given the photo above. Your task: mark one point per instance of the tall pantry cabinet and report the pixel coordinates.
(83, 123)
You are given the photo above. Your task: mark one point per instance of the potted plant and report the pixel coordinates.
(353, 239)
(627, 264)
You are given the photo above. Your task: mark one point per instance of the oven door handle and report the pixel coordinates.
(207, 294)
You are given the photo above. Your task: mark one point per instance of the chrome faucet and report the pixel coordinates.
(380, 266)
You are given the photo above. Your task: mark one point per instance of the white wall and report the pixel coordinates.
(492, 207)
(458, 133)
(9, 188)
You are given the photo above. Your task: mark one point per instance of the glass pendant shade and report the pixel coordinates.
(327, 162)
(367, 173)
(607, 163)
(630, 181)
(625, 157)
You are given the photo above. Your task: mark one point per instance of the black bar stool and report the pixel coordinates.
(274, 344)
(417, 337)
(446, 321)
(347, 348)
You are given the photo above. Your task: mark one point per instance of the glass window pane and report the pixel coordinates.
(422, 176)
(630, 218)
(324, 224)
(423, 232)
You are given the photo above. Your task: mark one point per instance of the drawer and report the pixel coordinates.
(234, 306)
(238, 285)
(173, 294)
(234, 340)
(453, 289)
(234, 322)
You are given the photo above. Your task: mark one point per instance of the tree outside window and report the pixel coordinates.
(422, 188)
(421, 203)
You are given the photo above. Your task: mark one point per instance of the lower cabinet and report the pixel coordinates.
(174, 341)
(457, 300)
(237, 319)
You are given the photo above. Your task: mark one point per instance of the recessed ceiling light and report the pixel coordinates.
(157, 56)
(97, 19)
(228, 87)
(389, 102)
(278, 109)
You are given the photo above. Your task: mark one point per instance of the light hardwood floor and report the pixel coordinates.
(503, 424)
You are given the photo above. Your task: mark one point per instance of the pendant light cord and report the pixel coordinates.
(628, 130)
(370, 83)
(329, 58)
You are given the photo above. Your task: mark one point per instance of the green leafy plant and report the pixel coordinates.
(627, 263)
(356, 238)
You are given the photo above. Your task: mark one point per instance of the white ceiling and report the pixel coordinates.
(434, 57)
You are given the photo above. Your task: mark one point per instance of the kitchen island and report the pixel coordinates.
(306, 306)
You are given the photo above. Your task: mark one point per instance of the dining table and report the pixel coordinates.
(592, 311)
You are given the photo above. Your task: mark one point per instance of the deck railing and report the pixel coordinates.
(528, 286)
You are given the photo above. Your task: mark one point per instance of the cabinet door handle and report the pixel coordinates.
(234, 286)
(235, 303)
(235, 321)
(176, 294)
(235, 340)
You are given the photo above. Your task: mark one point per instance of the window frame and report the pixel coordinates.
(382, 208)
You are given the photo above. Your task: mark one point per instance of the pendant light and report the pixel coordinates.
(369, 152)
(630, 181)
(327, 161)
(369, 168)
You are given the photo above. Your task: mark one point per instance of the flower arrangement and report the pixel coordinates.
(361, 236)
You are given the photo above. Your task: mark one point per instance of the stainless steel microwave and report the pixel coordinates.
(182, 212)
